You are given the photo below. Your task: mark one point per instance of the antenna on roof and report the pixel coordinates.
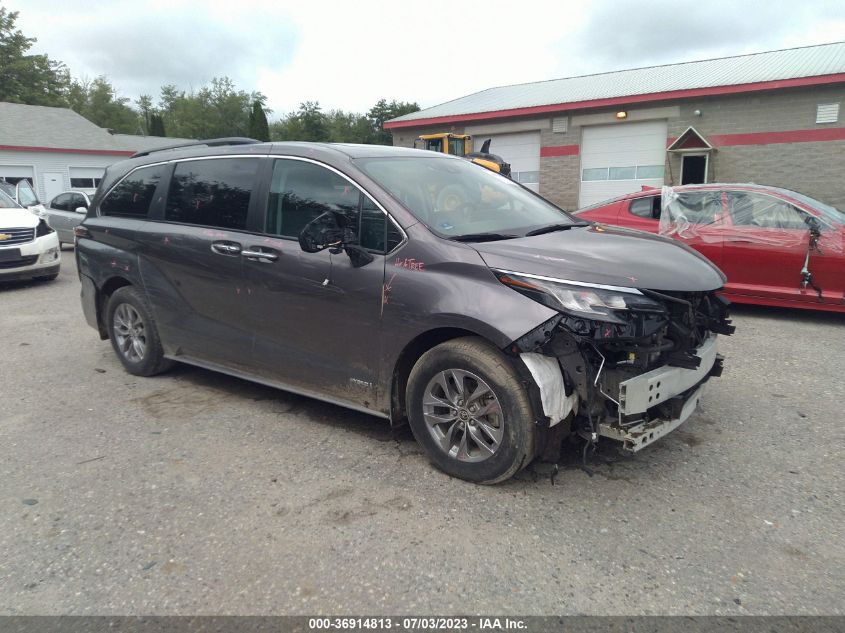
(211, 142)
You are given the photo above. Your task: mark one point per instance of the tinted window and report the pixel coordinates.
(300, 191)
(61, 202)
(751, 209)
(646, 207)
(77, 200)
(212, 192)
(132, 197)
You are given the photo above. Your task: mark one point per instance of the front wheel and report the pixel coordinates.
(133, 333)
(470, 412)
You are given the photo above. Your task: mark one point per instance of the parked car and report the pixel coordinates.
(65, 212)
(29, 248)
(776, 247)
(22, 193)
(402, 283)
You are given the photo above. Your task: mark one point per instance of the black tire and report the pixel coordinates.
(152, 361)
(516, 446)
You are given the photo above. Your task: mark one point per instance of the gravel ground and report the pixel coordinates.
(196, 493)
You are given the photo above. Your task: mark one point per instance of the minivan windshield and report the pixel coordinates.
(458, 199)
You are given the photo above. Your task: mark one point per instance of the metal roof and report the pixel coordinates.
(772, 66)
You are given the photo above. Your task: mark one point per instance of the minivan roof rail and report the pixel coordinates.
(211, 142)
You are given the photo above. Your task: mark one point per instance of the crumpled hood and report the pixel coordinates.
(606, 255)
(17, 219)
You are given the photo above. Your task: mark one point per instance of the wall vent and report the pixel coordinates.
(560, 124)
(827, 113)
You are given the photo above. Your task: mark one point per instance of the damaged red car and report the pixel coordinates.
(776, 247)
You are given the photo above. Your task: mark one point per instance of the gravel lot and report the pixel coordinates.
(196, 493)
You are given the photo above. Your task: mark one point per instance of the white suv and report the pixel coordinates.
(29, 248)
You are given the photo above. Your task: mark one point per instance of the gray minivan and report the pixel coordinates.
(406, 284)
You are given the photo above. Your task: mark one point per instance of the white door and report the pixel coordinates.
(53, 183)
(621, 158)
(520, 149)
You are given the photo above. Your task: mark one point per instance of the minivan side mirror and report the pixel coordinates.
(324, 232)
(81, 210)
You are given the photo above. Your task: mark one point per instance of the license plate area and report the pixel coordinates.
(10, 254)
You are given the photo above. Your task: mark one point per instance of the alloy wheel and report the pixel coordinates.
(129, 332)
(463, 415)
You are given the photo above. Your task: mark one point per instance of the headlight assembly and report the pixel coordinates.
(590, 301)
(43, 229)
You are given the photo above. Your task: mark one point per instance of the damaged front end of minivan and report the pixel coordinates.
(623, 363)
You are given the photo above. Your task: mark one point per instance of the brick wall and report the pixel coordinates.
(814, 169)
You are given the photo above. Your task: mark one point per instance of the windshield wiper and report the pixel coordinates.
(482, 237)
(551, 228)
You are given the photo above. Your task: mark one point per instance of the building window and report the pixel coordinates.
(622, 173)
(640, 172)
(594, 173)
(649, 171)
(527, 177)
(827, 113)
(84, 183)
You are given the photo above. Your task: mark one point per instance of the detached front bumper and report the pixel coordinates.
(660, 400)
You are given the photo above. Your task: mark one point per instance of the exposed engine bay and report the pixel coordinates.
(635, 376)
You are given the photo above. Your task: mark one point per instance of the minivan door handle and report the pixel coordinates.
(226, 248)
(266, 255)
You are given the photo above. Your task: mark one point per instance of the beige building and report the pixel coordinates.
(771, 118)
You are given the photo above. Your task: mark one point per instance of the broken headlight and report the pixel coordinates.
(591, 301)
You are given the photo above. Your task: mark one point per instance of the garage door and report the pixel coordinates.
(621, 158)
(14, 173)
(521, 150)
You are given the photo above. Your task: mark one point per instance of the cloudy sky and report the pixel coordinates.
(348, 54)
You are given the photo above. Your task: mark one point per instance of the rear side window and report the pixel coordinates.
(212, 192)
(646, 207)
(132, 197)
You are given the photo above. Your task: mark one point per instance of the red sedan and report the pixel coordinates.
(776, 247)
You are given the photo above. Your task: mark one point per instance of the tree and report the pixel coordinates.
(216, 110)
(98, 102)
(145, 109)
(30, 79)
(156, 125)
(384, 111)
(306, 124)
(258, 127)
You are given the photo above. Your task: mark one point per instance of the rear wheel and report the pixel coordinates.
(133, 333)
(470, 412)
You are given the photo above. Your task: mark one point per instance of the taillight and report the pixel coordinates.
(81, 231)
